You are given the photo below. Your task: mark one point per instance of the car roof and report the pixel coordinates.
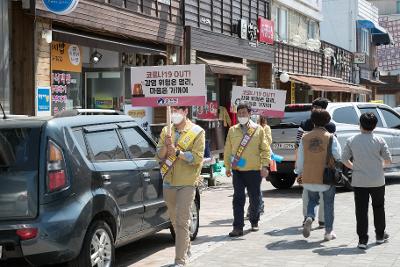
(60, 122)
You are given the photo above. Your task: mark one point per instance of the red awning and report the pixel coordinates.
(327, 85)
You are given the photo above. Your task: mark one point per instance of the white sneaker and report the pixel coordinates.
(307, 227)
(329, 236)
(362, 246)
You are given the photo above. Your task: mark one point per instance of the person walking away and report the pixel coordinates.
(246, 157)
(369, 153)
(181, 154)
(307, 126)
(311, 161)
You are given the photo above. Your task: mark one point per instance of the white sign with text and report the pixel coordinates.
(265, 102)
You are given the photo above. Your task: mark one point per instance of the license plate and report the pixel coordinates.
(283, 146)
(1, 252)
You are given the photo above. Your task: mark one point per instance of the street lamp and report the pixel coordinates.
(284, 77)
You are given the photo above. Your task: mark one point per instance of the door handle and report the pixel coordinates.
(106, 178)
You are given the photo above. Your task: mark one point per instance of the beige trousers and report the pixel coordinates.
(179, 202)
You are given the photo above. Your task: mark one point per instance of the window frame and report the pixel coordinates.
(144, 136)
(312, 29)
(90, 151)
(381, 109)
(398, 7)
(278, 15)
(346, 107)
(364, 41)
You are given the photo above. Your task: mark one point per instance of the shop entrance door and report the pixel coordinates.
(225, 89)
(104, 89)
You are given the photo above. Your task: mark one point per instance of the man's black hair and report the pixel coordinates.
(368, 121)
(320, 117)
(321, 102)
(244, 106)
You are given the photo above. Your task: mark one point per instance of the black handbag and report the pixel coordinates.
(333, 169)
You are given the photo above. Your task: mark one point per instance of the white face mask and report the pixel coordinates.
(176, 118)
(243, 120)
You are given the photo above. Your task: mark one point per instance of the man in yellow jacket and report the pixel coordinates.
(181, 154)
(247, 157)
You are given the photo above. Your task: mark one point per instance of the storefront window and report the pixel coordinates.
(104, 90)
(252, 77)
(210, 111)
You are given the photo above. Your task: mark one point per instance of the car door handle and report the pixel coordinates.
(106, 178)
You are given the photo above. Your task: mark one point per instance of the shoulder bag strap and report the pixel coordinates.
(329, 152)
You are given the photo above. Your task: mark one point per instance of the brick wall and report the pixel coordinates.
(42, 52)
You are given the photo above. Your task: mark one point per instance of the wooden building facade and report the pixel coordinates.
(107, 37)
(234, 39)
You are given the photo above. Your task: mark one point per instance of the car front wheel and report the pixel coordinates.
(98, 248)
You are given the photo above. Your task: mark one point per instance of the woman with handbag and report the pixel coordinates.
(316, 149)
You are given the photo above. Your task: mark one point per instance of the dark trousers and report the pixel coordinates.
(252, 181)
(361, 199)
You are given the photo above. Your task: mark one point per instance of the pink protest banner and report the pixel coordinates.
(172, 85)
(265, 102)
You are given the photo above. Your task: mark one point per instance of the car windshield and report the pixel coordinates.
(294, 115)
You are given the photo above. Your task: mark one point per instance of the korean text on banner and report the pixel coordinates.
(265, 102)
(174, 85)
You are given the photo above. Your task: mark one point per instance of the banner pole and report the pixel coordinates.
(169, 126)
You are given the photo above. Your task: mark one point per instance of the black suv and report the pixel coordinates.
(74, 188)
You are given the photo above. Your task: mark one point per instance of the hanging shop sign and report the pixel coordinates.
(359, 58)
(243, 28)
(43, 101)
(60, 7)
(174, 85)
(265, 102)
(66, 57)
(142, 115)
(265, 31)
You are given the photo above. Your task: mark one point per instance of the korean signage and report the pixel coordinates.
(66, 68)
(175, 85)
(66, 57)
(265, 102)
(43, 101)
(209, 111)
(142, 115)
(265, 31)
(60, 7)
(243, 28)
(359, 58)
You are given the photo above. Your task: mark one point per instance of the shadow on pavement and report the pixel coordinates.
(296, 244)
(294, 230)
(142, 248)
(294, 192)
(341, 250)
(219, 223)
(207, 238)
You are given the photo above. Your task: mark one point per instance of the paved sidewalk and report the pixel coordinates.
(280, 242)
